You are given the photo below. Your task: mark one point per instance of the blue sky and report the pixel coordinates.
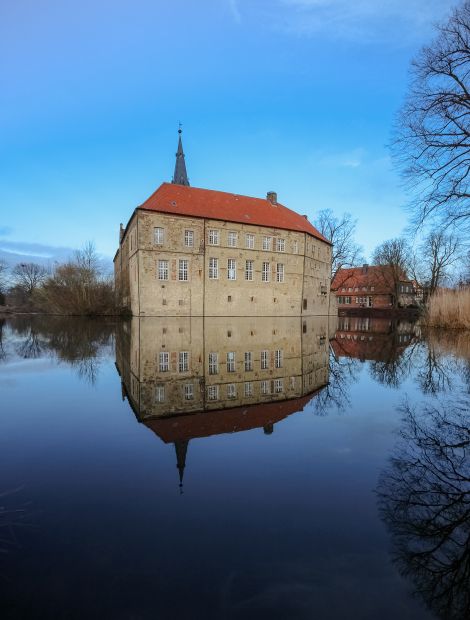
(296, 96)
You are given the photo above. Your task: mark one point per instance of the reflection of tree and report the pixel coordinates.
(335, 395)
(397, 365)
(78, 342)
(2, 348)
(424, 497)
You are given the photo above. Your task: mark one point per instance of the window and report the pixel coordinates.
(267, 243)
(163, 270)
(280, 272)
(188, 391)
(158, 236)
(305, 304)
(232, 239)
(249, 270)
(280, 245)
(265, 273)
(189, 238)
(265, 387)
(248, 360)
(278, 358)
(212, 392)
(295, 247)
(164, 361)
(248, 388)
(372, 288)
(347, 300)
(278, 386)
(231, 269)
(183, 270)
(213, 237)
(183, 361)
(231, 390)
(231, 361)
(213, 268)
(249, 241)
(213, 363)
(264, 360)
(159, 393)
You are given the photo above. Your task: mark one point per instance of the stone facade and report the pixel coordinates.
(179, 365)
(175, 265)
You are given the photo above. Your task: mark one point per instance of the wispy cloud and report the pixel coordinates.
(235, 10)
(5, 230)
(16, 251)
(359, 20)
(345, 159)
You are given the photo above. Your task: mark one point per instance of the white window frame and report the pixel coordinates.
(278, 358)
(213, 363)
(162, 269)
(248, 361)
(267, 243)
(264, 360)
(158, 235)
(231, 390)
(213, 237)
(280, 244)
(265, 387)
(280, 272)
(249, 267)
(188, 391)
(212, 392)
(164, 361)
(189, 238)
(183, 269)
(231, 269)
(266, 271)
(278, 386)
(248, 388)
(213, 268)
(231, 361)
(232, 239)
(160, 393)
(250, 241)
(183, 361)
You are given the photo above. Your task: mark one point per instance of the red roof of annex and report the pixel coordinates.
(196, 202)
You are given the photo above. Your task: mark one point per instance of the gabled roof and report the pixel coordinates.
(214, 205)
(378, 276)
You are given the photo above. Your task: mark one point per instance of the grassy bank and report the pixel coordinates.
(449, 309)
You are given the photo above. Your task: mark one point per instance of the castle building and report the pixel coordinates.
(196, 252)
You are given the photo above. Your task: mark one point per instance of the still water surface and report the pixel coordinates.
(153, 469)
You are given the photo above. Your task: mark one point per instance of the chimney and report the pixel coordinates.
(272, 197)
(365, 268)
(306, 217)
(121, 232)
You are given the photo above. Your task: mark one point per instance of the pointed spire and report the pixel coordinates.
(180, 176)
(181, 447)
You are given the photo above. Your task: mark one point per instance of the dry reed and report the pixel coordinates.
(449, 309)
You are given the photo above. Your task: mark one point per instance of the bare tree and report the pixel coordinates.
(394, 257)
(3, 280)
(432, 141)
(340, 231)
(437, 253)
(29, 276)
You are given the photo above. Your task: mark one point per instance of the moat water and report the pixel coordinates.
(324, 475)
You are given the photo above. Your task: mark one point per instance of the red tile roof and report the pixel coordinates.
(214, 205)
(380, 277)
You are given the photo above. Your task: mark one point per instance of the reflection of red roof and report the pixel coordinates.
(196, 202)
(378, 276)
(207, 423)
(376, 347)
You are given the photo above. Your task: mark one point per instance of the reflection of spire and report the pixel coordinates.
(181, 447)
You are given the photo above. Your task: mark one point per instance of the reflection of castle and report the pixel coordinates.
(368, 338)
(194, 377)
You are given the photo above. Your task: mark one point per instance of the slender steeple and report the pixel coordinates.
(180, 176)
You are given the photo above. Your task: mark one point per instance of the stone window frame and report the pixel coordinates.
(267, 243)
(158, 235)
(278, 386)
(231, 270)
(248, 389)
(164, 361)
(264, 360)
(189, 238)
(232, 239)
(280, 244)
(280, 272)
(188, 391)
(249, 269)
(231, 364)
(212, 392)
(183, 361)
(183, 270)
(266, 271)
(249, 241)
(163, 270)
(160, 393)
(231, 390)
(213, 236)
(248, 361)
(278, 358)
(265, 387)
(213, 363)
(213, 268)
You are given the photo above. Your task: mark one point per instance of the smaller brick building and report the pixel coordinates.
(372, 287)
